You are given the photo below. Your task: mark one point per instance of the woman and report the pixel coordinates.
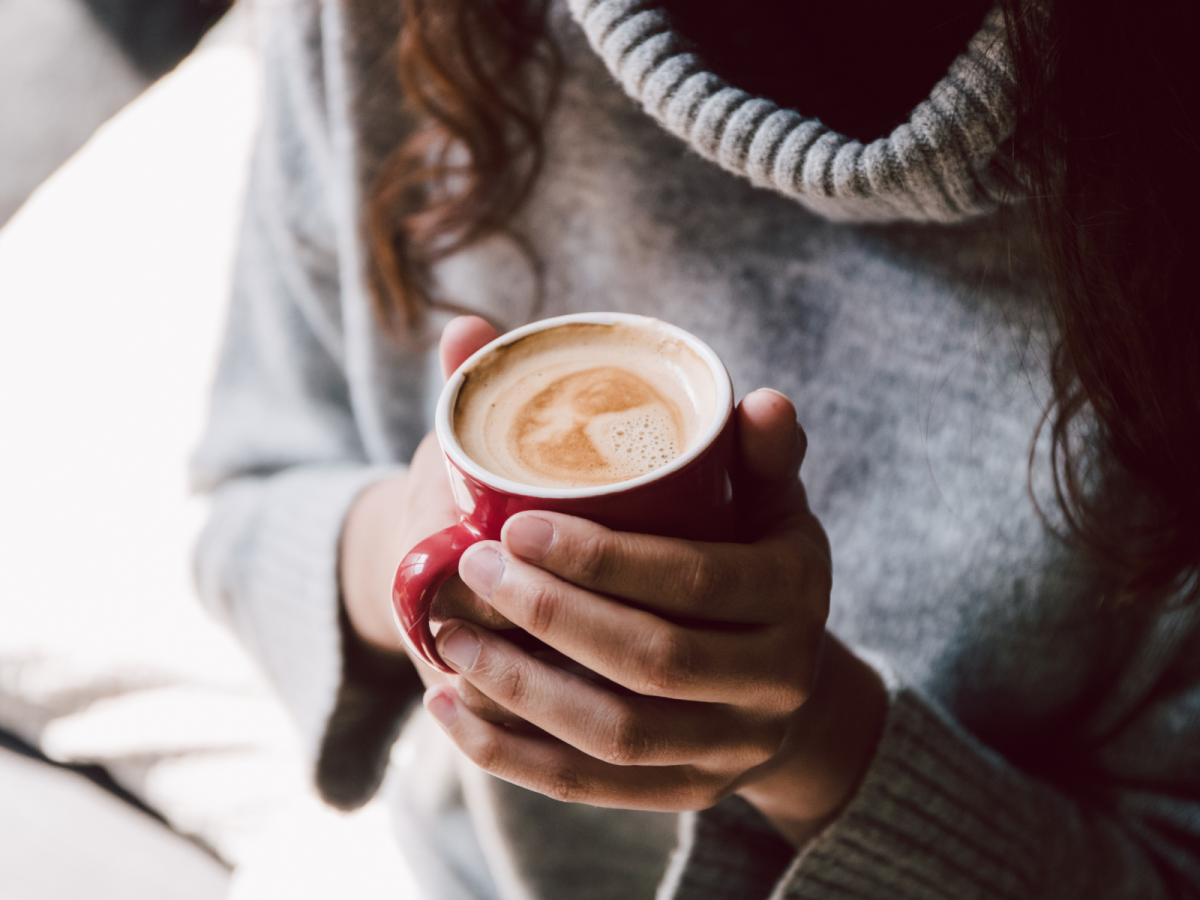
(1002, 701)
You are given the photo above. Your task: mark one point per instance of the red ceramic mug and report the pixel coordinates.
(691, 497)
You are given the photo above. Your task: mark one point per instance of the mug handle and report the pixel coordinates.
(418, 577)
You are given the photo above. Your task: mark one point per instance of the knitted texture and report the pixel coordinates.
(938, 816)
(1039, 743)
(934, 167)
(269, 540)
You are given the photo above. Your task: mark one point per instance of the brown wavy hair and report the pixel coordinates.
(1106, 136)
(479, 78)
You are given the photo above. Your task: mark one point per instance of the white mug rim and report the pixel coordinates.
(443, 424)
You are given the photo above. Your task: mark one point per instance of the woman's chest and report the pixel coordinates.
(917, 359)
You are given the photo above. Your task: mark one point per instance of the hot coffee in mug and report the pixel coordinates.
(620, 419)
(584, 404)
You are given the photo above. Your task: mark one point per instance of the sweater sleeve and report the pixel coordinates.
(940, 816)
(282, 456)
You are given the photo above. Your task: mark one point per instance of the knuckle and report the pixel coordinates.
(593, 558)
(790, 567)
(792, 685)
(486, 751)
(785, 578)
(813, 581)
(476, 702)
(541, 609)
(766, 744)
(713, 793)
(701, 791)
(793, 691)
(512, 684)
(665, 664)
(798, 693)
(627, 744)
(565, 786)
(704, 580)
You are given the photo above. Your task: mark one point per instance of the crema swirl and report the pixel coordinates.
(584, 404)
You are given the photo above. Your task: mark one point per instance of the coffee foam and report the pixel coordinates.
(584, 404)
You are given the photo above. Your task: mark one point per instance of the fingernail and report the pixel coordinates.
(441, 707)
(785, 398)
(482, 568)
(529, 537)
(461, 648)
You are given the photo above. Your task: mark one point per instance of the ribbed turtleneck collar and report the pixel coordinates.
(933, 167)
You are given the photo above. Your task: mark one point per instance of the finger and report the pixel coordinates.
(454, 600)
(770, 440)
(544, 764)
(642, 651)
(491, 711)
(461, 337)
(620, 730)
(758, 583)
(483, 706)
(771, 447)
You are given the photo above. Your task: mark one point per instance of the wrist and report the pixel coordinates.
(366, 563)
(829, 747)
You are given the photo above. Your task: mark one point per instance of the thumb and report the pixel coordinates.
(770, 449)
(771, 442)
(462, 337)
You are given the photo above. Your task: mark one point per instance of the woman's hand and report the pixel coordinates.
(707, 656)
(392, 516)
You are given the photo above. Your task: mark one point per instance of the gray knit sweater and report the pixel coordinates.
(1040, 741)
